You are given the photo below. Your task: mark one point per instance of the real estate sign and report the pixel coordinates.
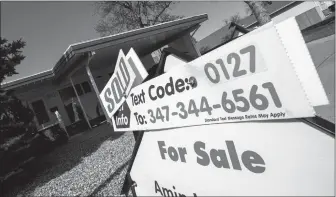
(129, 72)
(264, 75)
(282, 158)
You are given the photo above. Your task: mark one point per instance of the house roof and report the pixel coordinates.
(273, 9)
(218, 37)
(143, 40)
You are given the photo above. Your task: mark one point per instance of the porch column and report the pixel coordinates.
(94, 85)
(80, 103)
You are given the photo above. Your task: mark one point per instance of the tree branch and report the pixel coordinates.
(157, 17)
(127, 15)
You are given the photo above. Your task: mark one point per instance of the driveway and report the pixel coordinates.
(92, 163)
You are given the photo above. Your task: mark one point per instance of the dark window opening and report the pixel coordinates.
(86, 87)
(67, 93)
(71, 113)
(40, 111)
(79, 89)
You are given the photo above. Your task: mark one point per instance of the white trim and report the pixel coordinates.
(133, 30)
(5, 83)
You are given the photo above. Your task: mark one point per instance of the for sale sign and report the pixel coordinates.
(282, 158)
(255, 77)
(129, 72)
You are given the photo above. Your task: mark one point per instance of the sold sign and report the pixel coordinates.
(129, 71)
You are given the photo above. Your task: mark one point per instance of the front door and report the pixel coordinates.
(40, 112)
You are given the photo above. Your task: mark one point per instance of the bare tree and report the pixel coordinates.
(259, 11)
(119, 16)
(235, 18)
(248, 10)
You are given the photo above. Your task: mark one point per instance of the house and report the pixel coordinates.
(78, 77)
(306, 13)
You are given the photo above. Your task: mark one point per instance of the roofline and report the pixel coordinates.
(171, 23)
(74, 48)
(281, 8)
(40, 75)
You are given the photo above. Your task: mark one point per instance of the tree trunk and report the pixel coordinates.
(259, 12)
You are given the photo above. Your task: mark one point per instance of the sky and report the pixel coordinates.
(50, 27)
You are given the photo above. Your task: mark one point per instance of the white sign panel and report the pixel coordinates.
(250, 78)
(129, 72)
(137, 67)
(172, 61)
(283, 158)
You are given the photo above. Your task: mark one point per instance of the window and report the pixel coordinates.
(79, 89)
(86, 87)
(71, 113)
(67, 93)
(40, 112)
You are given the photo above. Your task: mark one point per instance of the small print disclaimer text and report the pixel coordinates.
(247, 117)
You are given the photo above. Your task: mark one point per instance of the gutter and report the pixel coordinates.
(135, 32)
(74, 48)
(42, 76)
(77, 48)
